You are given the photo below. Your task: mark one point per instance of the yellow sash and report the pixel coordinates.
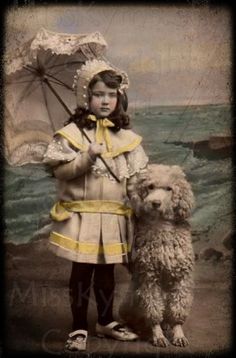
(62, 209)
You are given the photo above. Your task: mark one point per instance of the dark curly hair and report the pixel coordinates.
(119, 116)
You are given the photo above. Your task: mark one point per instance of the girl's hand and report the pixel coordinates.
(94, 150)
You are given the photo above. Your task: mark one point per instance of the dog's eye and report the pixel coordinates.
(168, 188)
(151, 186)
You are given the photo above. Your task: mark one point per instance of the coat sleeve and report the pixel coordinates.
(66, 162)
(77, 167)
(137, 162)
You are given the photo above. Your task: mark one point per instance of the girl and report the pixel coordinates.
(92, 218)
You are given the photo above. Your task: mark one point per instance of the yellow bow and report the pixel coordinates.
(102, 132)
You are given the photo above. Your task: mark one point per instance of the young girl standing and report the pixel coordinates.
(92, 219)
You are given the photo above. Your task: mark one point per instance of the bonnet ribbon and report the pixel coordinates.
(102, 132)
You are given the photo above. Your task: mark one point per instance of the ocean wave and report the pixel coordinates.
(30, 192)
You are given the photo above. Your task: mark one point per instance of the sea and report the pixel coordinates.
(30, 191)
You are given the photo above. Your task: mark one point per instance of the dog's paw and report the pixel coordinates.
(177, 337)
(180, 341)
(160, 341)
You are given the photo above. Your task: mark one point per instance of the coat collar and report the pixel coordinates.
(125, 140)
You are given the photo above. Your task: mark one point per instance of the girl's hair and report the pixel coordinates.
(119, 116)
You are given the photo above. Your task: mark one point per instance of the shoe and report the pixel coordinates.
(77, 341)
(115, 330)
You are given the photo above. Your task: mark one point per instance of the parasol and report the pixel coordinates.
(39, 96)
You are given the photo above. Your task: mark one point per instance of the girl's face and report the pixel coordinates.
(103, 101)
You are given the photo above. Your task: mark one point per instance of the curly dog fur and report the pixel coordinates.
(162, 278)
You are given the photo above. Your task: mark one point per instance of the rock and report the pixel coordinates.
(214, 148)
(211, 253)
(220, 142)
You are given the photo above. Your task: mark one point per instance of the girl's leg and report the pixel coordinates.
(80, 283)
(104, 285)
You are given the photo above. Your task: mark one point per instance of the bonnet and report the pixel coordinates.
(85, 74)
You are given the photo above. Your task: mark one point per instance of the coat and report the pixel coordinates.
(92, 219)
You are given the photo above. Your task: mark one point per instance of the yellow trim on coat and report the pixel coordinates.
(110, 154)
(88, 248)
(62, 209)
(127, 148)
(72, 141)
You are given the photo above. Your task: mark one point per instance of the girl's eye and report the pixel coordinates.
(101, 95)
(168, 188)
(150, 186)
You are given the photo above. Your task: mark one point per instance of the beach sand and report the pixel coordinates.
(38, 316)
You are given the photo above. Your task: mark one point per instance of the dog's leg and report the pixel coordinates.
(179, 301)
(151, 303)
(158, 338)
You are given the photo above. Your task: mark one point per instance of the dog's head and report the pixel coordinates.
(164, 191)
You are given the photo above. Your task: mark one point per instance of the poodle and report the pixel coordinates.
(162, 273)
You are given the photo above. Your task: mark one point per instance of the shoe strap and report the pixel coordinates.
(112, 324)
(77, 332)
(116, 326)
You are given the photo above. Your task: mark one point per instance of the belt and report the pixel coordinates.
(62, 209)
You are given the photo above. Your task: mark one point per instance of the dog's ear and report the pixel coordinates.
(182, 198)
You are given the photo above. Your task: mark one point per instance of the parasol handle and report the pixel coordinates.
(81, 129)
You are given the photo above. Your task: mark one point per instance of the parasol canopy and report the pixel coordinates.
(32, 111)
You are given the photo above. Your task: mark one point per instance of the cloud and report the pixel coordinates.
(171, 47)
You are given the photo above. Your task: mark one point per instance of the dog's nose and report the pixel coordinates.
(156, 204)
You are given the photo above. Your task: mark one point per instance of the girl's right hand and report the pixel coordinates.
(95, 149)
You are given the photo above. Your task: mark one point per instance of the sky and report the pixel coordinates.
(174, 55)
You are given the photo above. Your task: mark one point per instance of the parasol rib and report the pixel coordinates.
(43, 85)
(57, 81)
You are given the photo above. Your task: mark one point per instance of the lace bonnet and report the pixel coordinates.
(85, 74)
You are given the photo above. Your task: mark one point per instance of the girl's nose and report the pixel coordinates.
(105, 99)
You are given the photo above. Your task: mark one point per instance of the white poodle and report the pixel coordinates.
(162, 278)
